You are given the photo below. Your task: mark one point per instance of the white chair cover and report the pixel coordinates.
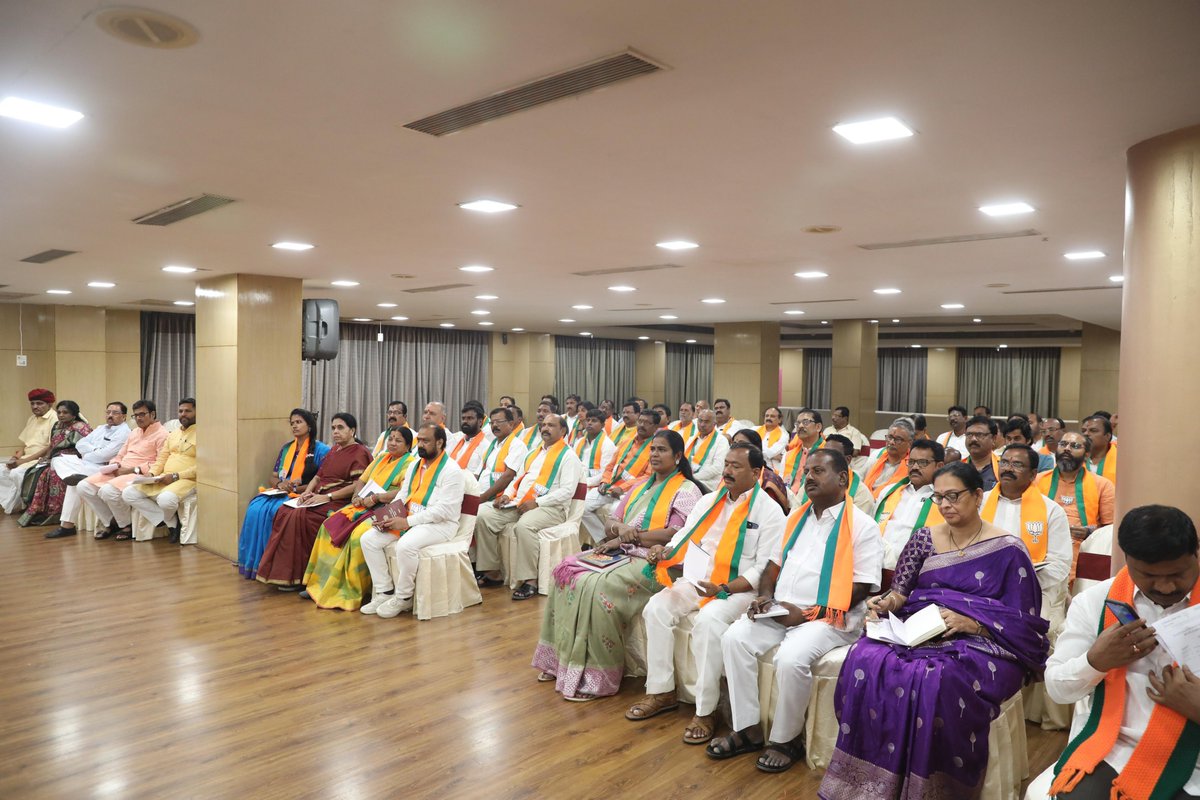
(187, 520)
(1098, 543)
(144, 528)
(685, 665)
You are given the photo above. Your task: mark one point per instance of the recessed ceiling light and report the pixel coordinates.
(1083, 255)
(386, 305)
(793, 312)
(677, 244)
(914, 345)
(824, 322)
(977, 319)
(446, 325)
(667, 316)
(887, 291)
(475, 268)
(712, 300)
(952, 306)
(400, 319)
(873, 321)
(1002, 346)
(1006, 209)
(486, 323)
(582, 307)
(58, 291)
(809, 274)
(298, 246)
(1117, 278)
(622, 289)
(101, 284)
(346, 284)
(481, 312)
(362, 319)
(895, 320)
(566, 319)
(643, 338)
(184, 303)
(178, 268)
(486, 297)
(585, 333)
(873, 130)
(488, 206)
(689, 341)
(38, 113)
(517, 330)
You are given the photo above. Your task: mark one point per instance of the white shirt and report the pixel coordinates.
(1057, 567)
(514, 460)
(764, 527)
(732, 426)
(102, 445)
(801, 574)
(773, 453)
(475, 462)
(709, 471)
(959, 443)
(607, 448)
(1069, 676)
(898, 527)
(445, 504)
(560, 492)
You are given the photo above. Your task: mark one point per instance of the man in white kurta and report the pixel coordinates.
(791, 581)
(504, 457)
(35, 440)
(706, 450)
(537, 499)
(842, 427)
(469, 445)
(594, 448)
(397, 417)
(95, 450)
(697, 597)
(900, 510)
(432, 522)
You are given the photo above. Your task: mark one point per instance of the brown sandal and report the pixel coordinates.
(704, 724)
(651, 706)
(124, 535)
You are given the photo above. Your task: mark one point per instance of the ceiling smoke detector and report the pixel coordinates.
(147, 28)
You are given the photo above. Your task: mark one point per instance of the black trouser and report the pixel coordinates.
(1098, 786)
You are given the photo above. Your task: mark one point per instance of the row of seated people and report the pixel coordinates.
(64, 465)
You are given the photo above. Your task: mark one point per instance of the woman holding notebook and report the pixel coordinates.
(914, 721)
(582, 643)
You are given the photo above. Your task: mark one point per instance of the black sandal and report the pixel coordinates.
(735, 744)
(524, 592)
(792, 751)
(487, 583)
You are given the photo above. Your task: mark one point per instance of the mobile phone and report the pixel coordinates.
(1122, 611)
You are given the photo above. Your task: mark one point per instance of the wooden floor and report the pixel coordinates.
(153, 671)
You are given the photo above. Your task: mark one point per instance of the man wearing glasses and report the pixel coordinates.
(891, 465)
(807, 438)
(1086, 498)
(1053, 429)
(102, 491)
(980, 435)
(909, 505)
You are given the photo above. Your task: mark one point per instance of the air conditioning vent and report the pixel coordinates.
(442, 288)
(183, 209)
(626, 270)
(573, 82)
(966, 237)
(48, 255)
(812, 302)
(1053, 291)
(147, 28)
(15, 295)
(150, 301)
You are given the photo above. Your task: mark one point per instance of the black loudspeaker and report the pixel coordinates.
(320, 338)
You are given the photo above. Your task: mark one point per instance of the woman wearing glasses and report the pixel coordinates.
(914, 722)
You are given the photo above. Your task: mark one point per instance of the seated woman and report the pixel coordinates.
(42, 490)
(581, 646)
(296, 465)
(294, 529)
(768, 478)
(337, 574)
(915, 721)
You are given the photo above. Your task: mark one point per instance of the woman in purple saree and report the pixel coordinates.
(914, 722)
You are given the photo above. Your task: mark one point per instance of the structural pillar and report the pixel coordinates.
(855, 371)
(1099, 368)
(522, 367)
(650, 373)
(746, 367)
(1159, 336)
(248, 366)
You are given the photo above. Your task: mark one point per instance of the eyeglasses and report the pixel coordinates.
(1007, 464)
(806, 422)
(921, 463)
(140, 414)
(896, 439)
(1070, 446)
(977, 435)
(948, 497)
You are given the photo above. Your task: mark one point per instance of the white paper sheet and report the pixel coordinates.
(1179, 634)
(109, 469)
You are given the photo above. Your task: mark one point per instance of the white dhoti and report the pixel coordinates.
(406, 549)
(69, 465)
(663, 613)
(596, 510)
(10, 486)
(799, 648)
(162, 508)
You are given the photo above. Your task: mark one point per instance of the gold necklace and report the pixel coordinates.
(962, 551)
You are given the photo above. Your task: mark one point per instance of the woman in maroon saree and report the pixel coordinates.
(914, 722)
(294, 529)
(44, 491)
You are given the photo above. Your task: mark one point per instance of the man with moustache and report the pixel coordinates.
(504, 456)
(630, 461)
(726, 424)
(1052, 430)
(706, 450)
(1102, 459)
(723, 547)
(891, 465)
(574, 417)
(1018, 431)
(908, 505)
(980, 435)
(956, 437)
(433, 493)
(685, 426)
(806, 440)
(628, 427)
(825, 609)
(1088, 500)
(397, 417)
(467, 447)
(594, 448)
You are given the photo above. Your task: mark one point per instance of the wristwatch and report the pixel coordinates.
(137, 470)
(723, 587)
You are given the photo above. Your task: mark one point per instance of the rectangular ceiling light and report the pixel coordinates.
(873, 130)
(1006, 209)
(38, 113)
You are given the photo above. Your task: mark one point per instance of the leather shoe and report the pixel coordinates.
(59, 533)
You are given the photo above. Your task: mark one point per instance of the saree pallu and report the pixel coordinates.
(914, 722)
(261, 510)
(41, 489)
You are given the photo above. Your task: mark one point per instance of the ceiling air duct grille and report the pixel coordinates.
(147, 28)
(441, 288)
(47, 255)
(183, 209)
(15, 295)
(626, 270)
(966, 237)
(150, 301)
(576, 81)
(812, 302)
(1053, 291)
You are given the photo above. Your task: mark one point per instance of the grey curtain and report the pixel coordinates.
(818, 377)
(594, 369)
(901, 372)
(168, 359)
(1010, 381)
(416, 365)
(689, 374)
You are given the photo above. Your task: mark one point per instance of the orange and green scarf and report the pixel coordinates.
(707, 441)
(876, 470)
(423, 479)
(623, 434)
(796, 458)
(657, 496)
(1087, 493)
(627, 461)
(530, 435)
(546, 475)
(291, 462)
(502, 456)
(593, 459)
(466, 448)
(1107, 466)
(1164, 758)
(1034, 528)
(930, 515)
(769, 438)
(836, 587)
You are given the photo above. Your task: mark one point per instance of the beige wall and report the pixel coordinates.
(855, 343)
(1068, 384)
(1099, 368)
(746, 366)
(37, 323)
(650, 377)
(522, 367)
(791, 370)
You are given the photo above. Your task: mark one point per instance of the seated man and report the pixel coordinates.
(102, 491)
(531, 436)
(1017, 430)
(774, 437)
(1140, 739)
(841, 426)
(980, 435)
(806, 440)
(467, 447)
(726, 424)
(573, 413)
(859, 494)
(594, 448)
(909, 506)
(956, 437)
(825, 601)
(735, 531)
(397, 417)
(631, 460)
(891, 465)
(1102, 460)
(685, 426)
(706, 450)
(504, 457)
(1053, 429)
(175, 470)
(432, 491)
(620, 434)
(1087, 499)
(35, 440)
(536, 500)
(435, 412)
(95, 450)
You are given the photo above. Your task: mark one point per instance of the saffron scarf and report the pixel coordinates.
(376, 470)
(769, 438)
(657, 495)
(501, 456)
(627, 461)
(694, 445)
(872, 476)
(929, 515)
(1087, 493)
(462, 454)
(1107, 466)
(1034, 530)
(529, 435)
(422, 480)
(551, 461)
(796, 458)
(593, 458)
(686, 431)
(836, 586)
(729, 549)
(623, 434)
(1164, 758)
(291, 462)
